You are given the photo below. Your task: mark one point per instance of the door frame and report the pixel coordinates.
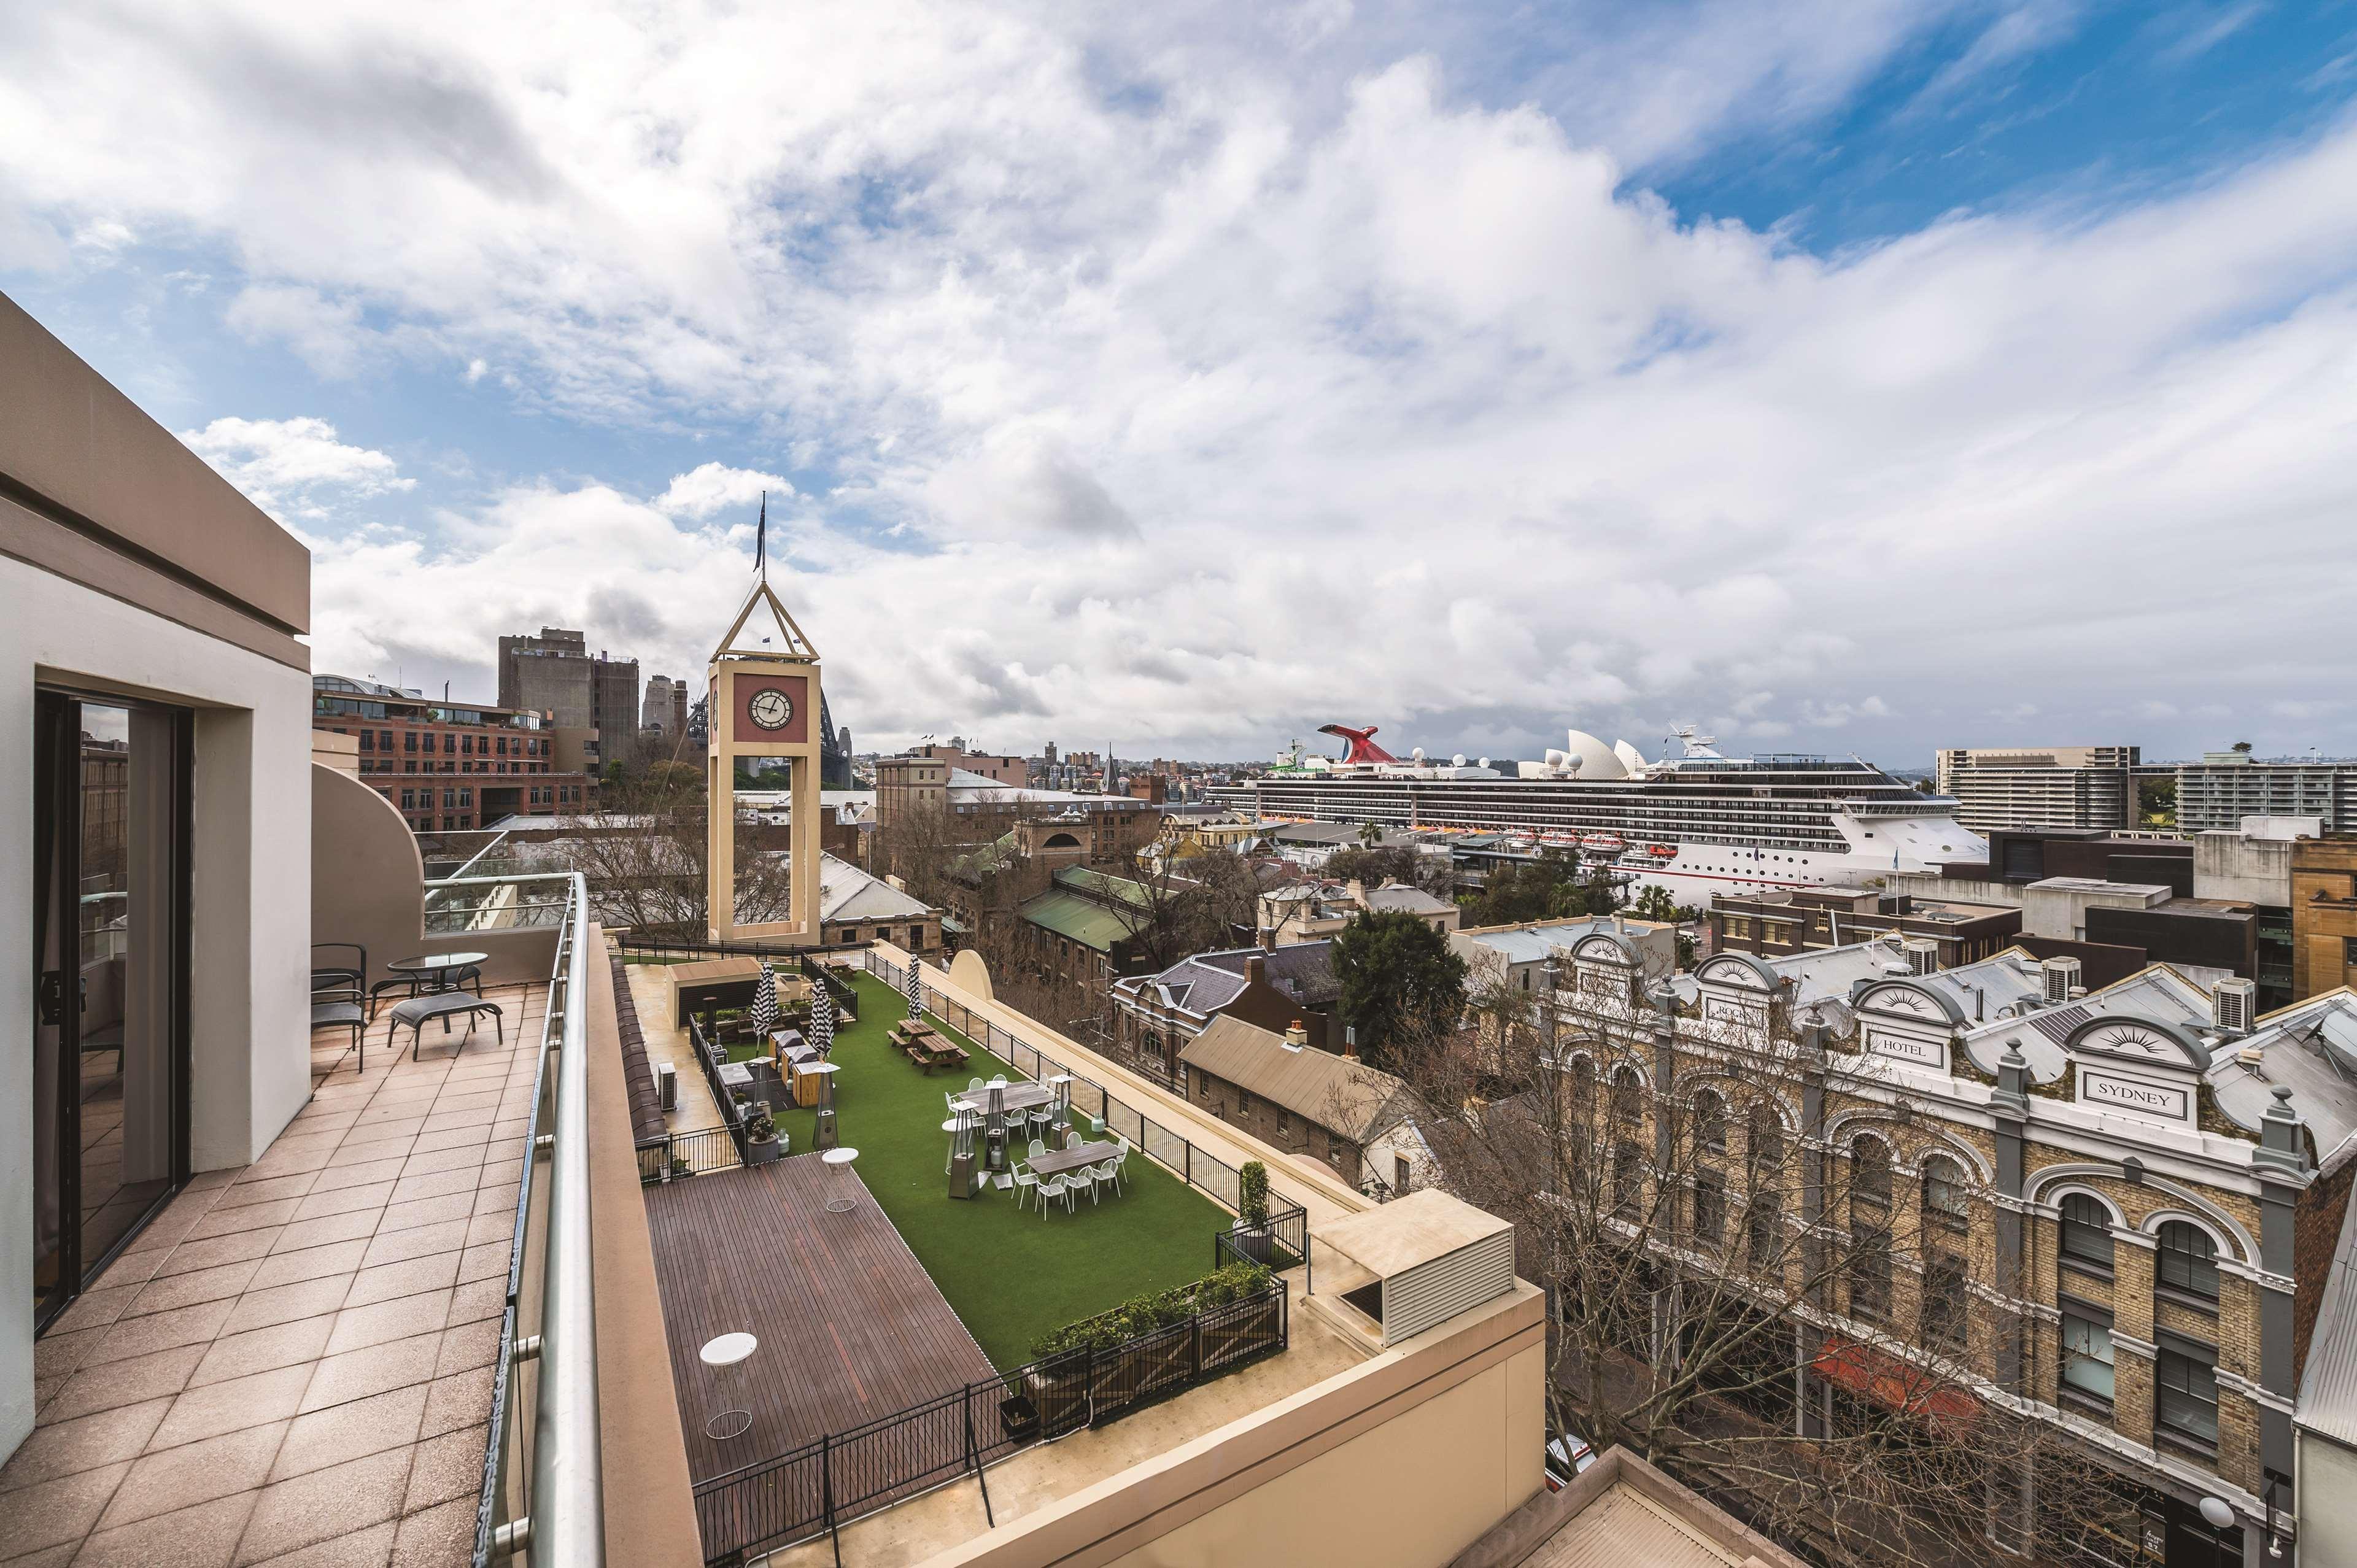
(57, 790)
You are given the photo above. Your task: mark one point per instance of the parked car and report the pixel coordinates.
(1566, 1456)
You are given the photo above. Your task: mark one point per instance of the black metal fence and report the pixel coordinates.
(709, 1056)
(1171, 1150)
(1281, 1243)
(824, 1484)
(677, 1154)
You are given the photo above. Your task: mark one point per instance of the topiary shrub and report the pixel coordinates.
(1251, 1194)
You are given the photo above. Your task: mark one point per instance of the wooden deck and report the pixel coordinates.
(851, 1326)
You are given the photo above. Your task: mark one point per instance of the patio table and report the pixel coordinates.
(1019, 1097)
(1056, 1162)
(435, 968)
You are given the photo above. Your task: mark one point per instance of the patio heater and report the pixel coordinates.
(995, 1138)
(824, 1135)
(962, 1153)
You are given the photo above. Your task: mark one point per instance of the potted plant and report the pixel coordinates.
(762, 1143)
(1251, 1237)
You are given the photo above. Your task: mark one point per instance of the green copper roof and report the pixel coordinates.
(1084, 920)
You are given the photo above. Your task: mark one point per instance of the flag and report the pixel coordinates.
(765, 1004)
(822, 1018)
(761, 537)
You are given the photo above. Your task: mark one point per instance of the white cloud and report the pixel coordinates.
(296, 467)
(712, 487)
(1210, 383)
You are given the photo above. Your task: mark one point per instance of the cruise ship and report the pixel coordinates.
(1696, 823)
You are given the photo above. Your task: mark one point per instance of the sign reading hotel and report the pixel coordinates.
(1932, 1054)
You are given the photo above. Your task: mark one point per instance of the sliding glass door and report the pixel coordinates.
(110, 1062)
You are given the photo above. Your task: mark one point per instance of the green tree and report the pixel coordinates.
(1370, 835)
(1548, 888)
(2244, 747)
(1655, 904)
(1401, 982)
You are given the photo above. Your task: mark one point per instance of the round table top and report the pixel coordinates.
(437, 961)
(840, 1156)
(729, 1350)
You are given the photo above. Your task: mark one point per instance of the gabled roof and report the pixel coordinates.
(1399, 898)
(1105, 887)
(848, 893)
(1208, 982)
(2157, 992)
(1084, 920)
(1337, 1093)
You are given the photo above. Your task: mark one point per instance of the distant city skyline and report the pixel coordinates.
(1836, 377)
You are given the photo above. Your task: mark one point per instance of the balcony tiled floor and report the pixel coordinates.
(294, 1367)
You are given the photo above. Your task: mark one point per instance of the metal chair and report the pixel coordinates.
(339, 1007)
(1024, 1178)
(1051, 1189)
(1077, 1182)
(1106, 1171)
(326, 975)
(1120, 1164)
(1072, 1139)
(1038, 1147)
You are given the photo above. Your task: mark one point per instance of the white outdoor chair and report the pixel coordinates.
(1081, 1181)
(975, 1086)
(997, 1081)
(1072, 1139)
(1051, 1189)
(1037, 1148)
(1104, 1173)
(1120, 1164)
(1024, 1178)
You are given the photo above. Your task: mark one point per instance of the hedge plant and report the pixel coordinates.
(1143, 1315)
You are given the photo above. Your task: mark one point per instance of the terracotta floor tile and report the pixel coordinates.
(426, 1211)
(93, 1388)
(357, 1374)
(70, 1447)
(488, 1261)
(461, 1400)
(204, 1180)
(370, 1152)
(262, 1191)
(231, 1406)
(488, 1228)
(473, 1345)
(204, 1536)
(387, 1281)
(59, 1511)
(304, 1234)
(465, 1157)
(353, 1430)
(419, 1242)
(254, 1217)
(95, 1308)
(452, 1138)
(285, 1304)
(434, 1184)
(310, 1263)
(363, 1173)
(56, 1353)
(323, 1504)
(497, 1172)
(477, 1299)
(261, 1349)
(160, 1331)
(195, 1473)
(447, 1467)
(439, 1535)
(195, 1285)
(344, 1200)
(358, 1327)
(213, 1252)
(369, 1548)
(403, 1130)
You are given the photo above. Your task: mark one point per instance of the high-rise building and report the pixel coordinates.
(2041, 787)
(455, 767)
(553, 673)
(2216, 793)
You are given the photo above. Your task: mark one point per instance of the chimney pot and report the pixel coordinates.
(1255, 970)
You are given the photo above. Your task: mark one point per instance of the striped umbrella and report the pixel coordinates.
(822, 1018)
(913, 985)
(765, 1004)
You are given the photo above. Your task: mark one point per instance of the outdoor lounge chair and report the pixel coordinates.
(418, 1011)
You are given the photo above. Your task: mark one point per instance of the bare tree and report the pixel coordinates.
(1790, 1332)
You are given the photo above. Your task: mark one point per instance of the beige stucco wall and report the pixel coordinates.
(1400, 1462)
(250, 881)
(2328, 1525)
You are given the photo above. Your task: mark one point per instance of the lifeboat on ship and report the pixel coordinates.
(1610, 843)
(1663, 851)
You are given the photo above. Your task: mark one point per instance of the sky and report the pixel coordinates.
(1838, 375)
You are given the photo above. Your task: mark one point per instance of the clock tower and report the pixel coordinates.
(765, 702)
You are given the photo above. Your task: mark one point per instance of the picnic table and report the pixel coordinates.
(1057, 1162)
(926, 1048)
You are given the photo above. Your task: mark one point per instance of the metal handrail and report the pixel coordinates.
(564, 1519)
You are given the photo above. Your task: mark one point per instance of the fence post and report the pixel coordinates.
(973, 1459)
(1195, 1327)
(826, 1486)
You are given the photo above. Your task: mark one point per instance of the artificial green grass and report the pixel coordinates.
(1010, 1274)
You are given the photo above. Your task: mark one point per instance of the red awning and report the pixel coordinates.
(1893, 1383)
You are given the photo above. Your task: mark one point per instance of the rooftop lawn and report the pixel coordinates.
(1011, 1275)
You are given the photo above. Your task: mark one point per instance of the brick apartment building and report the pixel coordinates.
(553, 673)
(448, 769)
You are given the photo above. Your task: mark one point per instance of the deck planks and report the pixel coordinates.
(851, 1326)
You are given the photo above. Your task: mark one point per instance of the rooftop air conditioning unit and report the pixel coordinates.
(2233, 1005)
(1923, 955)
(2061, 975)
(667, 1086)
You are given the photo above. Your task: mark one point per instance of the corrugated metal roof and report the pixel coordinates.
(1336, 1092)
(2327, 1384)
(1084, 920)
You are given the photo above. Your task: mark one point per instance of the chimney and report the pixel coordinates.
(1297, 1036)
(1255, 971)
(1350, 1040)
(1358, 891)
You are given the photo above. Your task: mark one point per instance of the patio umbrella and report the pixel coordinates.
(765, 1004)
(822, 1017)
(913, 983)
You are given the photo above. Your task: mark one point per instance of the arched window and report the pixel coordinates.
(1583, 1080)
(2188, 1262)
(1628, 1094)
(2086, 1230)
(1765, 1129)
(1869, 1172)
(1945, 1206)
(1710, 1123)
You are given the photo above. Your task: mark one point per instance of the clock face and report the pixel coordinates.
(771, 709)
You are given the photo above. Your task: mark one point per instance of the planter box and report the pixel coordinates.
(1257, 1245)
(761, 1154)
